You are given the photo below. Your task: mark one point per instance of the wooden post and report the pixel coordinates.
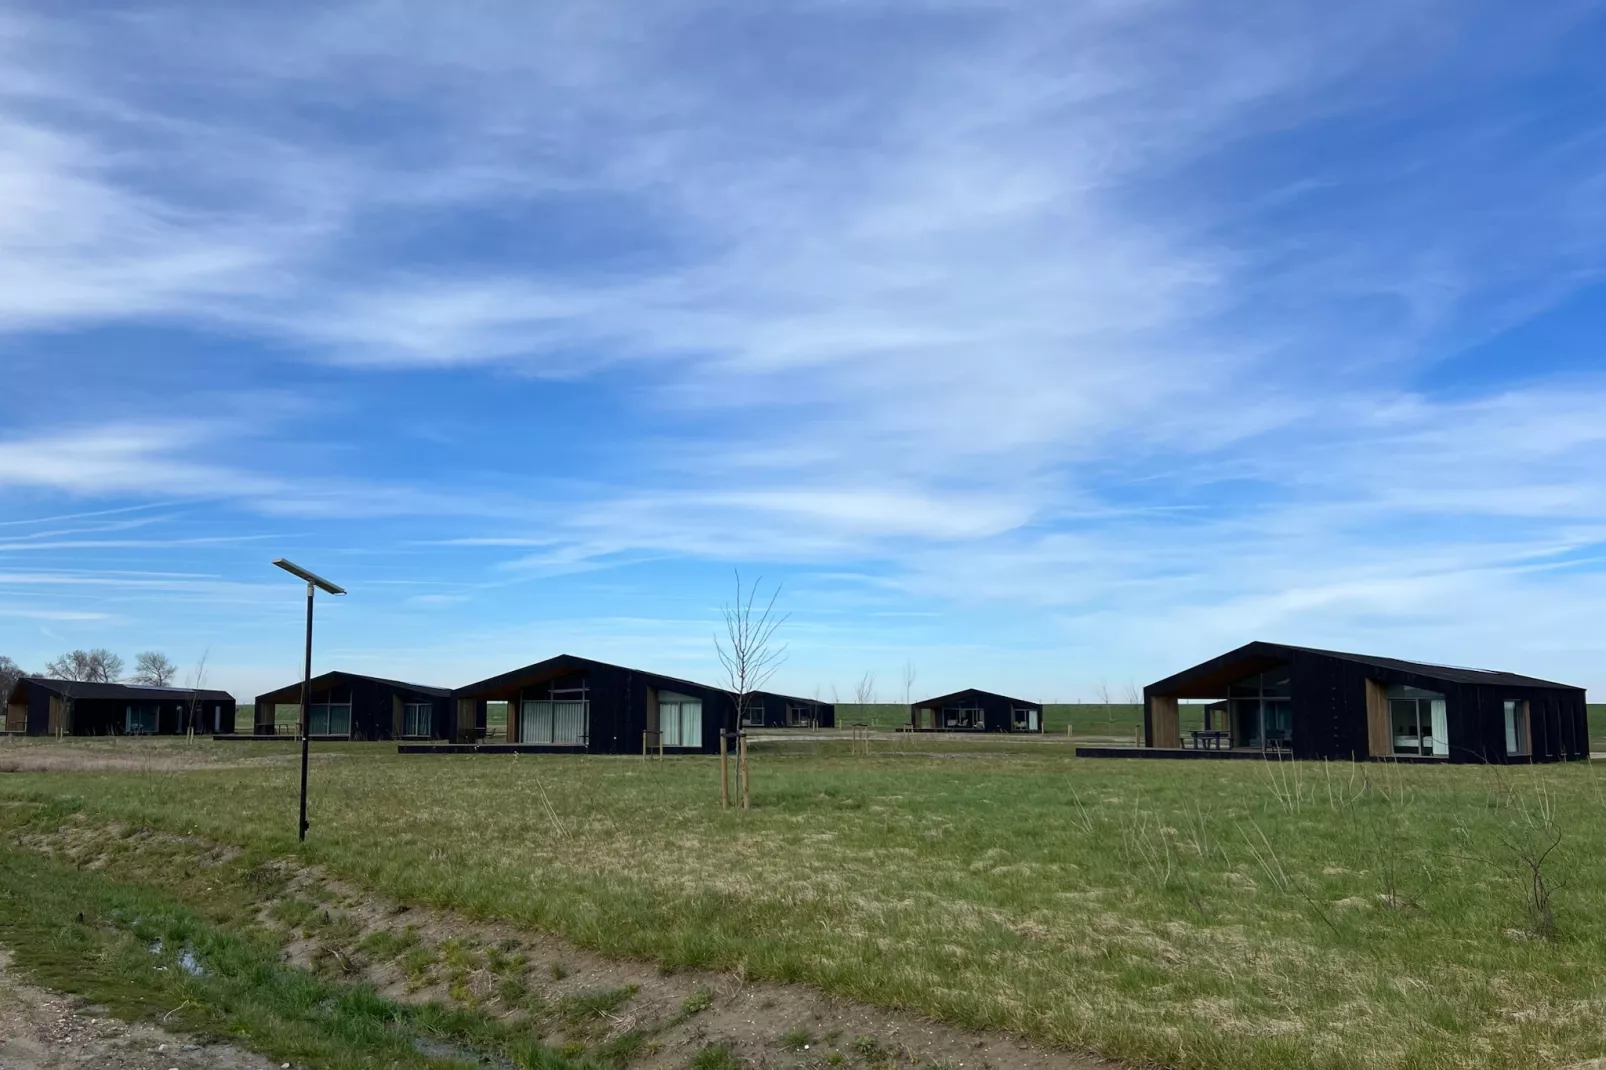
(741, 749)
(724, 775)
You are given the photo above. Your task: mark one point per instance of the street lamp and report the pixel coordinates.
(314, 581)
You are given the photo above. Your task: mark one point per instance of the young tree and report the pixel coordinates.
(864, 694)
(154, 669)
(197, 681)
(908, 682)
(747, 650)
(10, 673)
(97, 666)
(750, 657)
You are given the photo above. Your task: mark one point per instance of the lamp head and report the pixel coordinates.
(311, 577)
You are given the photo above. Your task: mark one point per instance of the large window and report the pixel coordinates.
(1262, 710)
(753, 717)
(1519, 737)
(1025, 720)
(963, 717)
(140, 719)
(418, 719)
(329, 719)
(798, 716)
(1417, 722)
(555, 723)
(680, 719)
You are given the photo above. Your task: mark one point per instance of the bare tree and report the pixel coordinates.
(750, 657)
(1109, 714)
(908, 682)
(10, 673)
(864, 693)
(97, 666)
(197, 681)
(747, 650)
(154, 669)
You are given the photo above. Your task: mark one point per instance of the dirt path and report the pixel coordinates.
(41, 1030)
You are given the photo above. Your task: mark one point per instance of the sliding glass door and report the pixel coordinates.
(557, 724)
(329, 719)
(1263, 710)
(680, 719)
(1418, 722)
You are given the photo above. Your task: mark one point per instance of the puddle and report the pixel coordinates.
(442, 1049)
(188, 960)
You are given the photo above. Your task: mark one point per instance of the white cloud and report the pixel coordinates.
(1008, 298)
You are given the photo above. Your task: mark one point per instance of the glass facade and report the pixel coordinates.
(1262, 710)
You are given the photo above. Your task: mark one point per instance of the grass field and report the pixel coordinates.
(1196, 914)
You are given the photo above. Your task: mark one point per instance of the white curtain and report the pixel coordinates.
(1441, 728)
(569, 723)
(560, 724)
(681, 721)
(325, 719)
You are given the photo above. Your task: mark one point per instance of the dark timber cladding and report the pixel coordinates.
(347, 705)
(975, 711)
(766, 709)
(1308, 703)
(567, 704)
(43, 707)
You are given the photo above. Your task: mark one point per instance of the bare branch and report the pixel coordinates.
(748, 652)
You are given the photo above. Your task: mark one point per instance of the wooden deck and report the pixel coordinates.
(1181, 752)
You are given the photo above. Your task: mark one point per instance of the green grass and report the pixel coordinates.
(1191, 913)
(144, 956)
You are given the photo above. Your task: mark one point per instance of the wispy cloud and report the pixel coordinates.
(1130, 318)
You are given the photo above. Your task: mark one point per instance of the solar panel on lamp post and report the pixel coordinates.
(314, 581)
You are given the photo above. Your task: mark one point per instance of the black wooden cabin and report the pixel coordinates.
(1307, 703)
(38, 706)
(346, 705)
(975, 711)
(767, 709)
(568, 705)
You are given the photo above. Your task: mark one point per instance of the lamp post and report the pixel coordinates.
(314, 581)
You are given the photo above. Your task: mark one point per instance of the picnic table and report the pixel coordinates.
(1211, 740)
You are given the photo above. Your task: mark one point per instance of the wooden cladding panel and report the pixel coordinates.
(1379, 740)
(17, 717)
(1165, 723)
(395, 717)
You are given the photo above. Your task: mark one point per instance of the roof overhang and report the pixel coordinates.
(1211, 679)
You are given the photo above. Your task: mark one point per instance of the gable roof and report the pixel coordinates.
(801, 701)
(336, 674)
(1259, 656)
(969, 692)
(81, 689)
(553, 667)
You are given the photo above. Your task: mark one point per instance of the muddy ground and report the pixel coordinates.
(42, 1030)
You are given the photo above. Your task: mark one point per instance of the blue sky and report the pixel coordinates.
(1038, 346)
